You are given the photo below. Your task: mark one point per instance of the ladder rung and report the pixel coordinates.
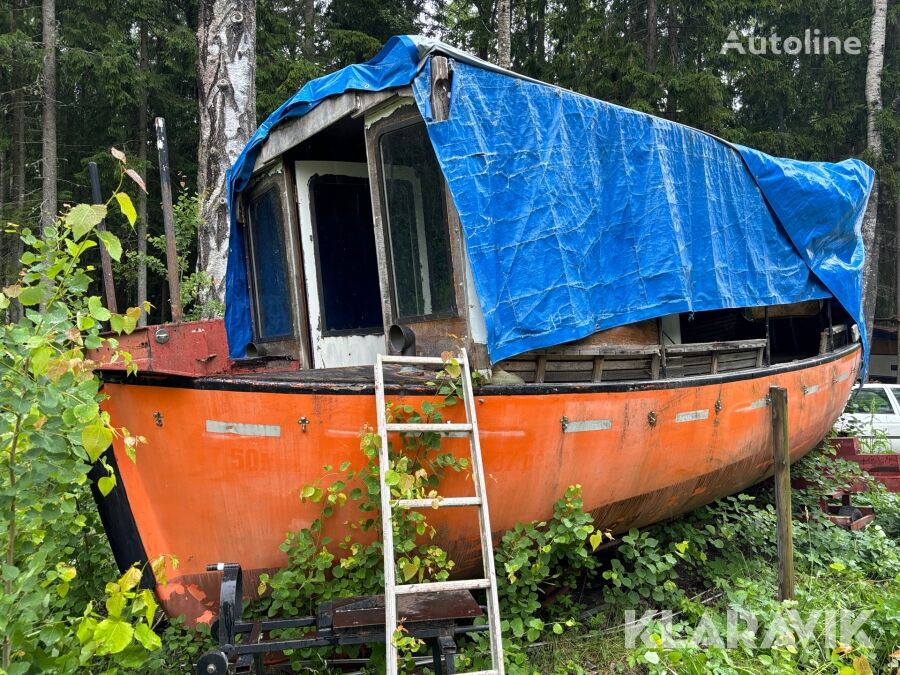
(438, 502)
(429, 360)
(444, 428)
(431, 587)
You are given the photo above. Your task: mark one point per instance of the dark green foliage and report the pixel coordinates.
(805, 106)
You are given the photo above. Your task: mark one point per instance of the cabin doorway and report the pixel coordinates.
(339, 263)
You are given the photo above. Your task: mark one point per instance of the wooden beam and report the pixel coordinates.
(440, 88)
(597, 374)
(782, 465)
(294, 131)
(172, 271)
(600, 350)
(715, 346)
(540, 368)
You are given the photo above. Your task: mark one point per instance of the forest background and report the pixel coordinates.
(118, 64)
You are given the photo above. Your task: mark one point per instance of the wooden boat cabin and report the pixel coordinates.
(355, 247)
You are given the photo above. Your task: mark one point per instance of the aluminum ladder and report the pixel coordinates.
(489, 580)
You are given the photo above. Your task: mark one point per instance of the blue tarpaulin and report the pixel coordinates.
(580, 215)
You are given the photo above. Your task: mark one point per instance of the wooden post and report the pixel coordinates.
(440, 88)
(782, 456)
(105, 263)
(172, 270)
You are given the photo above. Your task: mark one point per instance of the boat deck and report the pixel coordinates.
(361, 380)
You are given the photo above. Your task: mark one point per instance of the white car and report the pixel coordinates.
(873, 414)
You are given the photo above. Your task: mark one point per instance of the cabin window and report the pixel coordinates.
(418, 234)
(267, 255)
(345, 249)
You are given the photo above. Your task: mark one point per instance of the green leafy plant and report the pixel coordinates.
(644, 569)
(544, 557)
(52, 431)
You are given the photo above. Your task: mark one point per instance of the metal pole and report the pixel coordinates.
(109, 287)
(782, 464)
(768, 340)
(172, 271)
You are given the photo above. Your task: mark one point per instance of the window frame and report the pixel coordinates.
(401, 119)
(327, 332)
(291, 345)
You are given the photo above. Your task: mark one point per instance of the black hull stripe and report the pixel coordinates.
(118, 521)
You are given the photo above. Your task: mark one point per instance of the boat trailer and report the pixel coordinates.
(437, 618)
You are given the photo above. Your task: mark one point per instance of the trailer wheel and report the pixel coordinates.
(212, 663)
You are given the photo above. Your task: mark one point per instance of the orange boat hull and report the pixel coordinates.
(207, 489)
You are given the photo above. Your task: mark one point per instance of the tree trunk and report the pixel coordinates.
(309, 28)
(503, 33)
(874, 67)
(17, 195)
(897, 275)
(4, 169)
(19, 152)
(651, 36)
(142, 162)
(675, 58)
(48, 157)
(18, 170)
(541, 38)
(227, 96)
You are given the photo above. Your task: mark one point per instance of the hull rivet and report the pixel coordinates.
(651, 418)
(718, 405)
(158, 418)
(303, 422)
(564, 422)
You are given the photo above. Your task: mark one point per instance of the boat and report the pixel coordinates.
(628, 288)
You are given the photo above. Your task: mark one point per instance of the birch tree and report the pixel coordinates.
(874, 67)
(226, 39)
(503, 33)
(48, 158)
